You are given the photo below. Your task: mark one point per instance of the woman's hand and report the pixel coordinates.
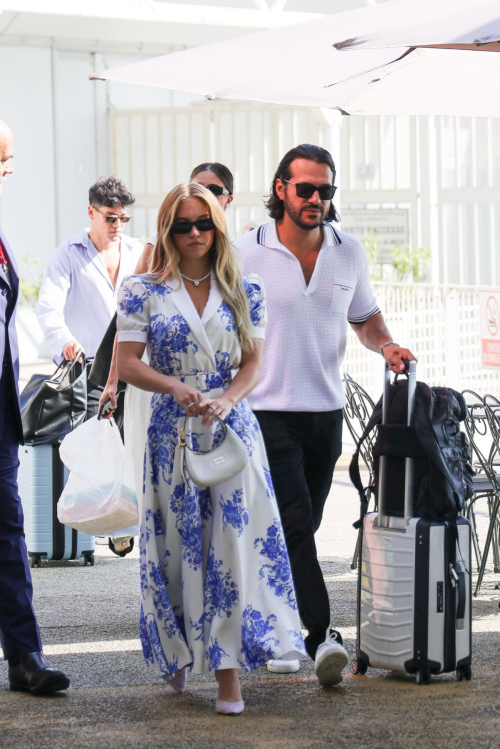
(109, 392)
(191, 400)
(219, 407)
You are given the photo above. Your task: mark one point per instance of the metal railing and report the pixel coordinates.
(440, 324)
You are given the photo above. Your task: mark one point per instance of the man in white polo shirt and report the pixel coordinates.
(316, 280)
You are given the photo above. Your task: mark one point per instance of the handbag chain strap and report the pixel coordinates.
(182, 436)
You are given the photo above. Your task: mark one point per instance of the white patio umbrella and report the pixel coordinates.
(299, 65)
(442, 24)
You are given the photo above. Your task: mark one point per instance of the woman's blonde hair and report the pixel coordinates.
(164, 260)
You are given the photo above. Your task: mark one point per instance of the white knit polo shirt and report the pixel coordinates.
(306, 325)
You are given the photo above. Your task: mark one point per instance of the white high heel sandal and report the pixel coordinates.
(178, 681)
(229, 708)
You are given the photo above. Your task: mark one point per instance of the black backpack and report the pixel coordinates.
(443, 473)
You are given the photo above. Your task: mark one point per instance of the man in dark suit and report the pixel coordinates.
(19, 634)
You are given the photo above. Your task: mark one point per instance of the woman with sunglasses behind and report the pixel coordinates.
(217, 592)
(215, 177)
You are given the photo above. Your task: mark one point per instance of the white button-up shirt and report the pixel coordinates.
(77, 299)
(307, 324)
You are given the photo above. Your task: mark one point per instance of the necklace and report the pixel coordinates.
(196, 281)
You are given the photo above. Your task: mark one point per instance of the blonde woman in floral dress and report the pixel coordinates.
(217, 590)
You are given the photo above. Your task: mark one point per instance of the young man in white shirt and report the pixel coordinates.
(79, 289)
(316, 280)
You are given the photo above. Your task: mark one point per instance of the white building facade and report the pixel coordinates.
(443, 174)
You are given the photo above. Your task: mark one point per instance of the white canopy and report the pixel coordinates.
(299, 65)
(449, 24)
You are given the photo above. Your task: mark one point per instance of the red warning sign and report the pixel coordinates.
(490, 329)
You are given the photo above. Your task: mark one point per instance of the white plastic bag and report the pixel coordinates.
(99, 497)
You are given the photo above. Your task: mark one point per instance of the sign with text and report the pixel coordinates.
(389, 225)
(489, 303)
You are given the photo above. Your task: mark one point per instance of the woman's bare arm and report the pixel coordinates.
(112, 381)
(143, 264)
(133, 370)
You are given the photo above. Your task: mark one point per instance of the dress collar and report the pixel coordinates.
(185, 305)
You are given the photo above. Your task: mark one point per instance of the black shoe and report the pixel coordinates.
(335, 635)
(31, 674)
(122, 545)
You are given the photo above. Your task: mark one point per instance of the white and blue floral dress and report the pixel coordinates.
(217, 590)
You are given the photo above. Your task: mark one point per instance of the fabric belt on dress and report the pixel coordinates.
(205, 381)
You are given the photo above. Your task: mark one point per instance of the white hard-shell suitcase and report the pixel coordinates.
(414, 586)
(41, 479)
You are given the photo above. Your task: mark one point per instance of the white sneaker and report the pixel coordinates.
(331, 659)
(282, 666)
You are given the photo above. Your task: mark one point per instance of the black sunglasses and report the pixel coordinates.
(306, 190)
(184, 227)
(111, 218)
(217, 190)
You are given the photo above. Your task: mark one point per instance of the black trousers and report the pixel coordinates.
(18, 626)
(303, 448)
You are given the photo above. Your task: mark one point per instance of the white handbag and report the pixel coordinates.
(217, 465)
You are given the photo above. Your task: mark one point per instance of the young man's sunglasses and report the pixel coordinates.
(184, 227)
(306, 190)
(217, 190)
(111, 218)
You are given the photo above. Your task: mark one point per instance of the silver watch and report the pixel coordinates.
(387, 343)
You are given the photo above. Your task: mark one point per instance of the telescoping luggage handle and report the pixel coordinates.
(383, 519)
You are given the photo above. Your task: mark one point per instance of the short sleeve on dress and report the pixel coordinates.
(256, 293)
(133, 311)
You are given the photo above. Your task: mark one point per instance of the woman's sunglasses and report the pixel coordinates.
(184, 227)
(217, 190)
(306, 190)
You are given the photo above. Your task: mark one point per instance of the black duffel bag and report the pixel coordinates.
(52, 406)
(442, 471)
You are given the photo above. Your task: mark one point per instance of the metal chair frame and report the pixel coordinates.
(357, 411)
(492, 405)
(480, 423)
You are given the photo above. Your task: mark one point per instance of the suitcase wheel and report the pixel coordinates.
(464, 673)
(35, 560)
(88, 559)
(423, 676)
(358, 667)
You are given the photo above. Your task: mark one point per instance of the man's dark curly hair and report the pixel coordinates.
(307, 151)
(110, 192)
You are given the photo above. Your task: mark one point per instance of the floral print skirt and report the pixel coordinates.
(217, 590)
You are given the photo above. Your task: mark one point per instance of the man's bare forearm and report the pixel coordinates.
(373, 332)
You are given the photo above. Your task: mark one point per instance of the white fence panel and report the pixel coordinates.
(441, 325)
(386, 162)
(153, 150)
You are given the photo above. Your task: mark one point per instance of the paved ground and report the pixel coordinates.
(88, 618)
